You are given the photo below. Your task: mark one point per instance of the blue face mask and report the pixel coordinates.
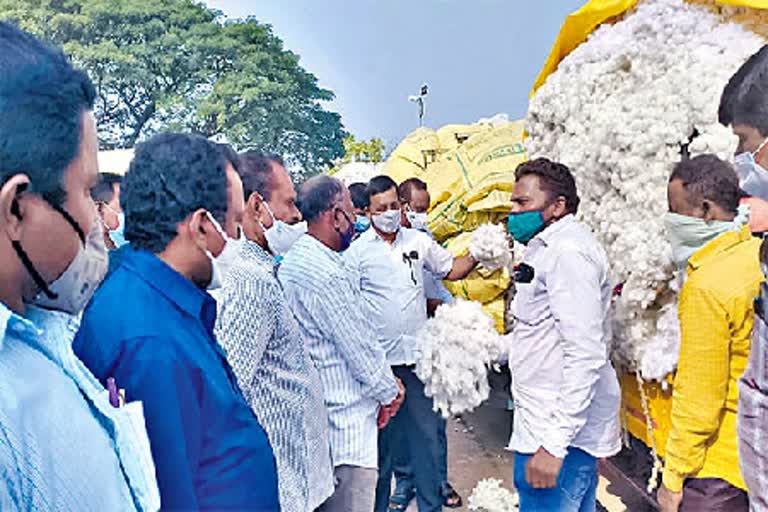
(753, 179)
(362, 223)
(117, 235)
(525, 225)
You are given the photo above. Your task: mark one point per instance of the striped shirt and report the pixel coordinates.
(353, 369)
(753, 411)
(267, 352)
(63, 447)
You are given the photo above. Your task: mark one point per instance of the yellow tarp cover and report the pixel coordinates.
(581, 23)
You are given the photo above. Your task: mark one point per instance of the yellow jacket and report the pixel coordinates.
(716, 314)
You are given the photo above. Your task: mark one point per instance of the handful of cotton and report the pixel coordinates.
(489, 245)
(490, 496)
(455, 348)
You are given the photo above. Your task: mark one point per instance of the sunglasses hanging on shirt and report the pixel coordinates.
(410, 258)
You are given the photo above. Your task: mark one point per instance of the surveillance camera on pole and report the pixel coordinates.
(421, 101)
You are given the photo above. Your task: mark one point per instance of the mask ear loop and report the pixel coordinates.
(759, 149)
(21, 253)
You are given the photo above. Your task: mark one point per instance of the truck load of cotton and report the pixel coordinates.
(489, 495)
(489, 245)
(617, 111)
(455, 348)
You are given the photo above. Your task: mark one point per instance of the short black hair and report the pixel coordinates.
(318, 195)
(745, 96)
(406, 188)
(554, 178)
(42, 101)
(104, 190)
(359, 194)
(170, 177)
(708, 177)
(256, 172)
(379, 185)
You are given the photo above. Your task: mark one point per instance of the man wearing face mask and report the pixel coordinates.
(360, 391)
(390, 262)
(713, 245)
(743, 107)
(150, 327)
(360, 202)
(63, 445)
(264, 344)
(415, 199)
(565, 389)
(106, 195)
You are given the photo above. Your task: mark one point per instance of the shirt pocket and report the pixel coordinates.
(133, 447)
(531, 304)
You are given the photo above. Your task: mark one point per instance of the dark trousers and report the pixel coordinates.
(412, 435)
(712, 495)
(402, 464)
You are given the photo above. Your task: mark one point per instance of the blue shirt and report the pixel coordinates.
(152, 330)
(63, 447)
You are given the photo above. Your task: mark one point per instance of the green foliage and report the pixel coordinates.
(363, 151)
(176, 65)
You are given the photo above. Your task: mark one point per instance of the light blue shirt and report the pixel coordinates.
(63, 447)
(391, 278)
(352, 365)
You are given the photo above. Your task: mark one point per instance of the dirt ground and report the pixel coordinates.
(476, 451)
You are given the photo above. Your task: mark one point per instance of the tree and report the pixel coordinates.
(176, 65)
(363, 151)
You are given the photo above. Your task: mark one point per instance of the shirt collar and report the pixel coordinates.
(317, 245)
(12, 323)
(374, 236)
(551, 232)
(169, 283)
(253, 251)
(718, 246)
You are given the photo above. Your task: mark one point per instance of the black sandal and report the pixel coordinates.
(400, 502)
(451, 498)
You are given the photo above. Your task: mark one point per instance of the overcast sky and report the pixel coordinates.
(479, 57)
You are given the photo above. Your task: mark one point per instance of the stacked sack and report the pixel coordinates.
(620, 109)
(470, 173)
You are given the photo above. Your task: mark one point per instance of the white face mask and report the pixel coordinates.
(217, 264)
(75, 287)
(388, 221)
(231, 253)
(280, 235)
(417, 220)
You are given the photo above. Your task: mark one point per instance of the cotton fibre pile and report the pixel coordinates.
(455, 347)
(489, 245)
(490, 496)
(617, 111)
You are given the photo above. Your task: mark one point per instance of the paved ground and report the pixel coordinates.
(476, 451)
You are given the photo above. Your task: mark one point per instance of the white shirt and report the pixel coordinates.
(392, 282)
(565, 388)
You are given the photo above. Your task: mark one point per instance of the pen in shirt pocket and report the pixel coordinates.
(116, 396)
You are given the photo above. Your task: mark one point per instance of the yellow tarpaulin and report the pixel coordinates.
(583, 22)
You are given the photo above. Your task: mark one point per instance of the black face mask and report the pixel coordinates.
(21, 253)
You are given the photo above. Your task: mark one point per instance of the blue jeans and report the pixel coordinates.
(576, 489)
(402, 464)
(412, 436)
